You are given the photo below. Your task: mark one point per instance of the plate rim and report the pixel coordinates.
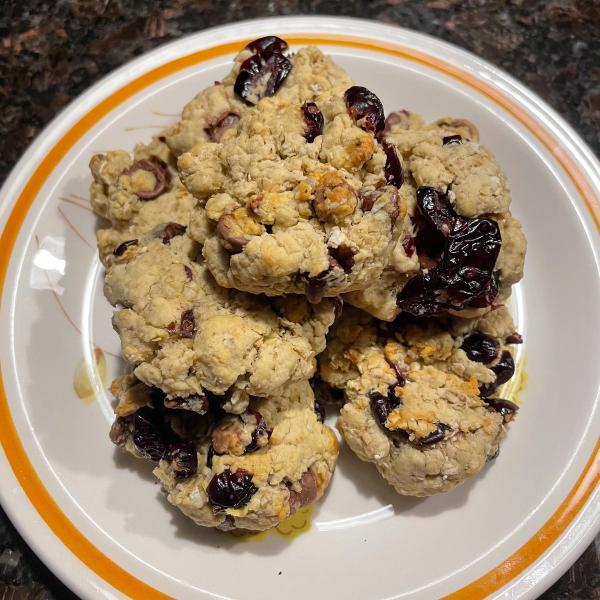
(294, 25)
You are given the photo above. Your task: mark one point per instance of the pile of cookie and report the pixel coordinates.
(284, 240)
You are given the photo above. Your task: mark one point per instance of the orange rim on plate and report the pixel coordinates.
(30, 482)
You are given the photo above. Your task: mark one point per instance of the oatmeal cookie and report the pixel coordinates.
(136, 194)
(419, 395)
(468, 248)
(260, 70)
(247, 471)
(184, 334)
(301, 197)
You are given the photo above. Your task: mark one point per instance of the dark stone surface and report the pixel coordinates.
(52, 50)
(22, 574)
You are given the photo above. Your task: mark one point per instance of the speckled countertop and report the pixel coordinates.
(51, 51)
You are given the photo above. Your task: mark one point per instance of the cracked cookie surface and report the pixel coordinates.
(184, 334)
(445, 161)
(298, 198)
(418, 395)
(249, 470)
(179, 330)
(136, 193)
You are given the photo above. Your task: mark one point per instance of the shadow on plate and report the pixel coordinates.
(143, 468)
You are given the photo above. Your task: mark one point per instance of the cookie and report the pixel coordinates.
(185, 335)
(301, 197)
(419, 395)
(247, 471)
(136, 194)
(214, 114)
(468, 247)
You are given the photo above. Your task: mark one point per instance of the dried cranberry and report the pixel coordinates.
(209, 456)
(231, 490)
(451, 139)
(436, 208)
(261, 75)
(157, 399)
(344, 255)
(504, 369)
(488, 296)
(469, 259)
(400, 370)
(408, 243)
(505, 407)
(314, 121)
(188, 272)
(216, 130)
(434, 437)
(476, 244)
(480, 347)
(487, 389)
(183, 459)
(187, 325)
(382, 406)
(161, 173)
(147, 434)
(393, 167)
(167, 231)
(269, 43)
(365, 108)
(261, 431)
(514, 338)
(172, 419)
(429, 242)
(120, 249)
(401, 373)
(420, 294)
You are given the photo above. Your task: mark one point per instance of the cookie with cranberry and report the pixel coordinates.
(184, 334)
(249, 470)
(136, 193)
(303, 197)
(469, 249)
(420, 397)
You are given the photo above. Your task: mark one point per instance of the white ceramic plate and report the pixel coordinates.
(98, 520)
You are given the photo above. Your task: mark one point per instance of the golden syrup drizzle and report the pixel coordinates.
(89, 379)
(297, 524)
(290, 528)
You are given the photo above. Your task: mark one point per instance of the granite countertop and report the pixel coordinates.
(51, 51)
